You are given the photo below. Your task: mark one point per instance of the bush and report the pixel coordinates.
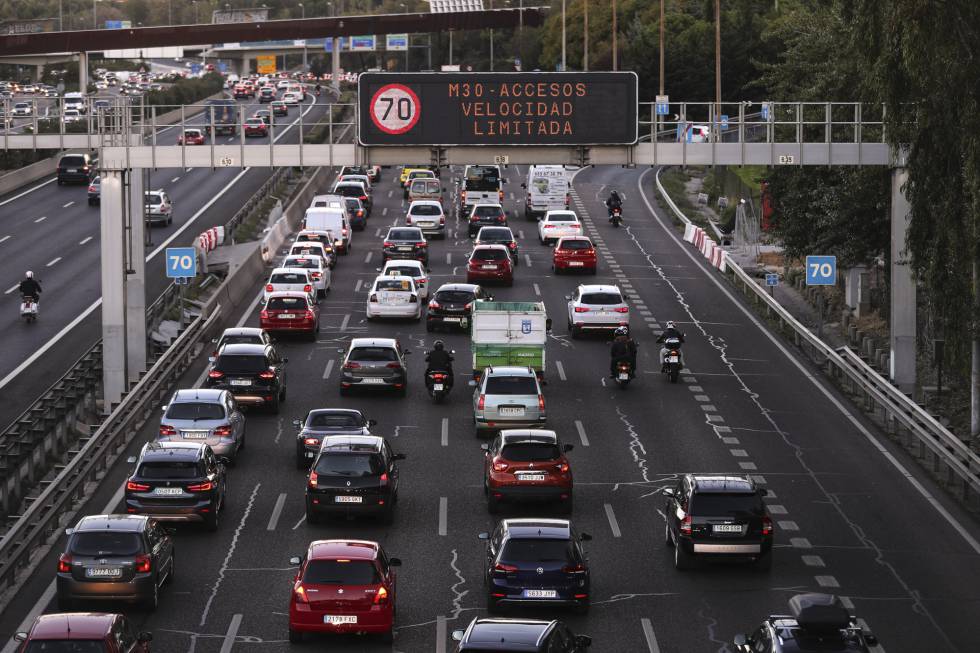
(185, 91)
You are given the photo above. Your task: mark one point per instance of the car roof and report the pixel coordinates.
(172, 450)
(124, 523)
(425, 202)
(599, 287)
(722, 484)
(186, 395)
(459, 287)
(490, 246)
(352, 443)
(497, 204)
(349, 549)
(510, 436)
(528, 634)
(529, 528)
(509, 370)
(289, 293)
(401, 263)
(389, 277)
(304, 257)
(72, 626)
(334, 411)
(390, 229)
(288, 269)
(492, 227)
(372, 342)
(249, 348)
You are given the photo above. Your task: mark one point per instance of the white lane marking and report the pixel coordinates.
(390, 193)
(344, 322)
(561, 371)
(826, 581)
(440, 634)
(4, 239)
(27, 192)
(377, 232)
(800, 543)
(300, 522)
(370, 255)
(613, 524)
(445, 432)
(52, 261)
(357, 286)
(581, 433)
(65, 206)
(650, 637)
(527, 257)
(175, 180)
(11, 289)
(228, 555)
(449, 258)
(329, 369)
(85, 240)
(788, 525)
(276, 512)
(813, 561)
(537, 290)
(384, 212)
(41, 219)
(443, 515)
(232, 633)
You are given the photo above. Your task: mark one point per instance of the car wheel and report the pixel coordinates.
(212, 521)
(295, 637)
(764, 562)
(153, 600)
(574, 332)
(274, 406)
(682, 559)
(170, 221)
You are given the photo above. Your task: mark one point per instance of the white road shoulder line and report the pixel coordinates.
(443, 515)
(651, 638)
(4, 239)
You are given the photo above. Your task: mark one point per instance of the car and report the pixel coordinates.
(352, 584)
(818, 622)
(536, 562)
(240, 335)
(508, 397)
(255, 374)
(159, 208)
(321, 422)
(317, 268)
(718, 516)
(202, 415)
(283, 85)
(291, 312)
(256, 127)
(70, 116)
(124, 558)
(192, 137)
(101, 105)
(393, 297)
(574, 253)
(452, 305)
(424, 189)
(357, 213)
(373, 172)
(412, 175)
(413, 269)
(597, 308)
(355, 189)
(374, 363)
(97, 632)
(356, 176)
(264, 115)
(279, 108)
(75, 168)
(353, 475)
(179, 482)
(499, 236)
(405, 243)
(408, 170)
(290, 99)
(283, 279)
(267, 94)
(315, 242)
(95, 191)
(490, 263)
(243, 91)
(526, 635)
(427, 215)
(23, 110)
(523, 465)
(558, 224)
(485, 215)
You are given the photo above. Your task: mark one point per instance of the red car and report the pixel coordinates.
(292, 312)
(527, 465)
(490, 263)
(343, 586)
(191, 137)
(90, 631)
(256, 127)
(574, 253)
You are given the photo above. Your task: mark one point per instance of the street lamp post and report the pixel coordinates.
(95, 15)
(614, 44)
(585, 35)
(661, 47)
(564, 48)
(717, 66)
(306, 66)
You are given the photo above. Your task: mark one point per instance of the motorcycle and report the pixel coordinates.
(28, 308)
(615, 216)
(439, 384)
(624, 372)
(672, 359)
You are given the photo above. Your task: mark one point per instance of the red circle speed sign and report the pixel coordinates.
(395, 109)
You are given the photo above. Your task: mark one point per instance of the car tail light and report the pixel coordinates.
(216, 374)
(307, 288)
(512, 244)
(143, 564)
(563, 468)
(316, 276)
(360, 213)
(64, 563)
(308, 315)
(267, 374)
(311, 441)
(568, 200)
(500, 466)
(166, 429)
(352, 366)
(312, 480)
(422, 244)
(344, 231)
(363, 198)
(206, 486)
(481, 404)
(549, 226)
(299, 592)
(573, 569)
(581, 309)
(474, 217)
(622, 309)
(500, 194)
(394, 366)
(501, 567)
(381, 596)
(501, 218)
(685, 526)
(269, 288)
(388, 244)
(434, 305)
(442, 219)
(223, 431)
(383, 478)
(373, 298)
(766, 526)
(408, 220)
(133, 486)
(540, 402)
(263, 314)
(468, 307)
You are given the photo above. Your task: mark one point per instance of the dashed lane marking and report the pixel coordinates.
(561, 371)
(276, 512)
(44, 217)
(367, 259)
(65, 206)
(527, 257)
(800, 543)
(776, 509)
(739, 453)
(231, 634)
(449, 258)
(444, 440)
(85, 240)
(613, 524)
(443, 515)
(344, 322)
(52, 261)
(328, 369)
(581, 433)
(4, 239)
(357, 286)
(650, 637)
(826, 581)
(175, 180)
(537, 290)
(11, 289)
(788, 525)
(748, 466)
(813, 561)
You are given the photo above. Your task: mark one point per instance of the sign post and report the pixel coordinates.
(181, 265)
(772, 280)
(821, 271)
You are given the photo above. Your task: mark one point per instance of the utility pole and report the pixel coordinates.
(61, 15)
(306, 66)
(170, 12)
(717, 119)
(661, 47)
(491, 41)
(614, 44)
(585, 36)
(564, 65)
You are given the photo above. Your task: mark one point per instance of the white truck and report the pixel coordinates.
(547, 190)
(509, 333)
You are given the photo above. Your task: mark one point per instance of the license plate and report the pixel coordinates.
(531, 477)
(452, 319)
(404, 249)
(726, 528)
(347, 499)
(241, 381)
(71, 170)
(194, 435)
(103, 572)
(540, 594)
(673, 359)
(373, 381)
(168, 491)
(339, 619)
(489, 267)
(310, 454)
(426, 225)
(575, 264)
(623, 376)
(287, 316)
(511, 411)
(437, 386)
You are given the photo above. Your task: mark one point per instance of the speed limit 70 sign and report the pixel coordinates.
(821, 270)
(395, 109)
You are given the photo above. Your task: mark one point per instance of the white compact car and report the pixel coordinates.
(290, 98)
(408, 268)
(318, 269)
(558, 224)
(394, 297)
(289, 280)
(597, 307)
(305, 245)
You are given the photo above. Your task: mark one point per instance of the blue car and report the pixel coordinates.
(536, 562)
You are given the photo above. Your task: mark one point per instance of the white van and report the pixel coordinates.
(75, 101)
(333, 220)
(547, 190)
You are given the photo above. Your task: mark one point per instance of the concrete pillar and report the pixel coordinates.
(39, 72)
(136, 281)
(247, 65)
(82, 71)
(335, 66)
(113, 258)
(902, 290)
(852, 286)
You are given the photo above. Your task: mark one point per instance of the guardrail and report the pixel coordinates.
(236, 220)
(939, 451)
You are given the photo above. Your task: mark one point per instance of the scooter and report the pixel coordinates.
(28, 308)
(672, 359)
(624, 372)
(439, 384)
(615, 216)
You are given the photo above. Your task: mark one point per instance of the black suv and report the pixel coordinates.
(406, 242)
(819, 622)
(177, 481)
(114, 558)
(322, 422)
(255, 374)
(486, 215)
(520, 635)
(353, 474)
(76, 169)
(499, 236)
(452, 305)
(720, 516)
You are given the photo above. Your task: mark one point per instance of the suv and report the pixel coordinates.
(718, 515)
(507, 398)
(819, 622)
(525, 465)
(353, 474)
(528, 635)
(597, 307)
(499, 236)
(374, 362)
(204, 416)
(536, 562)
(75, 168)
(91, 632)
(486, 215)
(114, 558)
(452, 305)
(406, 242)
(255, 374)
(177, 481)
(358, 216)
(322, 422)
(159, 208)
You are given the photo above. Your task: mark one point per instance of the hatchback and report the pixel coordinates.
(239, 336)
(524, 465)
(267, 95)
(357, 213)
(508, 398)
(413, 269)
(191, 137)
(75, 168)
(354, 189)
(177, 481)
(264, 115)
(256, 127)
(427, 215)
(526, 635)
(353, 475)
(159, 208)
(313, 242)
(393, 297)
(558, 224)
(291, 312)
(490, 263)
(499, 236)
(255, 374)
(114, 558)
(321, 422)
(486, 215)
(316, 267)
(290, 99)
(279, 108)
(596, 308)
(574, 253)
(83, 632)
(536, 562)
(343, 586)
(452, 305)
(406, 242)
(201, 415)
(295, 280)
(374, 363)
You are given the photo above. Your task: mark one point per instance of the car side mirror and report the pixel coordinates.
(568, 297)
(472, 383)
(457, 635)
(585, 537)
(399, 456)
(484, 536)
(22, 637)
(298, 423)
(568, 447)
(131, 460)
(214, 341)
(394, 562)
(583, 641)
(295, 561)
(547, 324)
(741, 639)
(485, 447)
(669, 492)
(539, 219)
(489, 298)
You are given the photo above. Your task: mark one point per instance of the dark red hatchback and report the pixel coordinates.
(83, 632)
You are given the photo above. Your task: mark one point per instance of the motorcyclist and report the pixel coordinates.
(623, 349)
(316, 89)
(439, 360)
(670, 331)
(30, 287)
(614, 202)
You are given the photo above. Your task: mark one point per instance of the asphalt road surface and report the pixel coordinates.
(853, 515)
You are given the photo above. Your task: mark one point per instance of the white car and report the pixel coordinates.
(70, 116)
(408, 268)
(289, 280)
(318, 268)
(597, 307)
(394, 297)
(290, 98)
(427, 215)
(326, 241)
(102, 86)
(558, 224)
(22, 109)
(283, 85)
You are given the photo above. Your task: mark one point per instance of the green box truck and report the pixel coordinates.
(509, 333)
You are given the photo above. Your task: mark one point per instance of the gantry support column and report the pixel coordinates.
(83, 72)
(135, 280)
(902, 289)
(335, 66)
(113, 259)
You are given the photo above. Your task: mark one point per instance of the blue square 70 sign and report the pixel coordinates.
(821, 270)
(181, 262)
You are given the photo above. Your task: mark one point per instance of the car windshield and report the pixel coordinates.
(66, 646)
(601, 298)
(309, 263)
(349, 190)
(335, 420)
(511, 385)
(306, 250)
(425, 209)
(254, 121)
(369, 354)
(231, 364)
(489, 255)
(154, 198)
(482, 178)
(286, 304)
(241, 340)
(405, 271)
(404, 234)
(192, 132)
(575, 244)
(395, 284)
(455, 296)
(195, 410)
(115, 543)
(336, 572)
(288, 277)
(530, 452)
(561, 217)
(486, 211)
(352, 203)
(77, 161)
(349, 464)
(726, 504)
(169, 469)
(537, 550)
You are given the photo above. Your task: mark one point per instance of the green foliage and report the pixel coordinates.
(185, 91)
(16, 159)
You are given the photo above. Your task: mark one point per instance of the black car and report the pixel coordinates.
(255, 374)
(536, 562)
(819, 622)
(358, 216)
(76, 169)
(486, 215)
(406, 242)
(352, 475)
(114, 558)
(499, 236)
(266, 95)
(718, 516)
(532, 635)
(178, 481)
(238, 336)
(322, 422)
(452, 305)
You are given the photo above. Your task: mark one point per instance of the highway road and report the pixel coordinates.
(853, 514)
(51, 230)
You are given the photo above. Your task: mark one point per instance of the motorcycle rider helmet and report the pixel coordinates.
(438, 345)
(622, 331)
(670, 325)
(29, 274)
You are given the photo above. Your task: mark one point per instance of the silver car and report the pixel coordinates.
(374, 363)
(508, 398)
(159, 208)
(596, 307)
(204, 415)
